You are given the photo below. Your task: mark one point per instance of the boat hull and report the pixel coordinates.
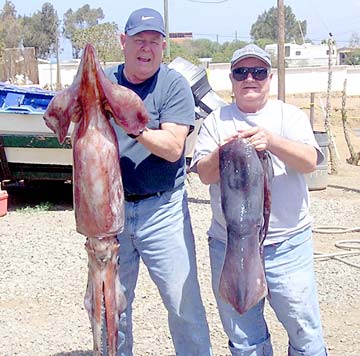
(29, 150)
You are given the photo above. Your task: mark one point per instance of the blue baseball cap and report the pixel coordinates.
(251, 51)
(145, 20)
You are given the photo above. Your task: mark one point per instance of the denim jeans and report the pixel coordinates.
(158, 230)
(292, 295)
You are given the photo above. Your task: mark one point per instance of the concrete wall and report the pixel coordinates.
(68, 70)
(297, 80)
(48, 74)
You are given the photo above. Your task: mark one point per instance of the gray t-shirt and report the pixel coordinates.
(168, 98)
(289, 193)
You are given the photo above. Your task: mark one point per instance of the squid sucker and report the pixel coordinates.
(98, 195)
(245, 176)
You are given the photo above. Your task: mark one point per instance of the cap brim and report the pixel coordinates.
(251, 56)
(139, 29)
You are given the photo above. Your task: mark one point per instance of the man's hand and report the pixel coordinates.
(259, 137)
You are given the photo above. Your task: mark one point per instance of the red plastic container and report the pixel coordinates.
(3, 202)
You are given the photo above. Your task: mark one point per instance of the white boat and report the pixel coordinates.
(28, 148)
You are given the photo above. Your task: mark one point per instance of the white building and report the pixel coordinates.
(305, 55)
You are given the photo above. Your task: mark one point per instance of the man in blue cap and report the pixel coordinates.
(157, 220)
(285, 132)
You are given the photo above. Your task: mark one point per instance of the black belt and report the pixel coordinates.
(138, 197)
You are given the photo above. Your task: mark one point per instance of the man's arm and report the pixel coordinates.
(300, 156)
(167, 143)
(208, 168)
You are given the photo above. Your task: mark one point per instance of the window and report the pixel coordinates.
(287, 51)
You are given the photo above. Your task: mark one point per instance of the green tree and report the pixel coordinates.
(266, 26)
(10, 26)
(192, 50)
(353, 58)
(182, 49)
(262, 42)
(226, 50)
(81, 19)
(203, 48)
(105, 39)
(41, 30)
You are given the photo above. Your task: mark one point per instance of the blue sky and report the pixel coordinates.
(222, 21)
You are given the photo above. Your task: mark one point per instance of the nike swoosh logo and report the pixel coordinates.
(144, 18)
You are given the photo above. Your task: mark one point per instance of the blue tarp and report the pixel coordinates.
(27, 99)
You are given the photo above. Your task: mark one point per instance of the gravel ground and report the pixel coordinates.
(43, 276)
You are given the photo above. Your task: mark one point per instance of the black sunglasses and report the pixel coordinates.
(258, 73)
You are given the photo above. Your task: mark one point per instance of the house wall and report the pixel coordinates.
(304, 55)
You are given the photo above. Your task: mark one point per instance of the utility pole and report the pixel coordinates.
(166, 18)
(281, 50)
(58, 70)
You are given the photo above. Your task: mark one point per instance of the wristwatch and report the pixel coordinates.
(135, 136)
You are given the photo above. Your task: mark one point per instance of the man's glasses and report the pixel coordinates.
(258, 73)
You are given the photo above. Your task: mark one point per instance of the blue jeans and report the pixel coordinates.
(158, 230)
(292, 295)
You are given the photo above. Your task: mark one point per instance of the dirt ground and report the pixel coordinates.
(43, 266)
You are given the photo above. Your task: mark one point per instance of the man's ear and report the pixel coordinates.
(122, 40)
(230, 77)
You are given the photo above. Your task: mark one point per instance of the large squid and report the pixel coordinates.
(89, 103)
(245, 176)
